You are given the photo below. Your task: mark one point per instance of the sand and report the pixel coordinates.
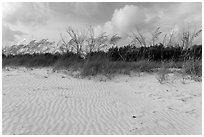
(39, 101)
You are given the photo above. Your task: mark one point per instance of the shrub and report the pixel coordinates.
(193, 67)
(121, 60)
(163, 73)
(103, 66)
(94, 67)
(68, 60)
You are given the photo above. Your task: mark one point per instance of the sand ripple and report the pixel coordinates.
(38, 102)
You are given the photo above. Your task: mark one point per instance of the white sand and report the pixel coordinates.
(41, 102)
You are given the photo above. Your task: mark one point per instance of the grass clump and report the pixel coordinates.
(106, 67)
(68, 61)
(95, 67)
(163, 73)
(193, 67)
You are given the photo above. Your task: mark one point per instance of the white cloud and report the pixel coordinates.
(130, 17)
(25, 13)
(48, 20)
(9, 35)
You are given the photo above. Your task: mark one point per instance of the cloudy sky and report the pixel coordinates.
(28, 21)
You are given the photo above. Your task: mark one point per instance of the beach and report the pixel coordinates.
(40, 101)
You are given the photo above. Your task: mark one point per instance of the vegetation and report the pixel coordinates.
(130, 59)
(137, 56)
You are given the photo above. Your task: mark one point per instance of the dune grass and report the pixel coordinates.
(193, 67)
(109, 63)
(103, 66)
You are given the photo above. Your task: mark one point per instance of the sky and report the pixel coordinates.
(23, 22)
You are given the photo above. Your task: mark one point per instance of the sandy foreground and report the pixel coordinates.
(39, 101)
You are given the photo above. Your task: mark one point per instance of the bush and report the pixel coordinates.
(36, 60)
(69, 60)
(103, 66)
(121, 60)
(193, 67)
(146, 66)
(94, 67)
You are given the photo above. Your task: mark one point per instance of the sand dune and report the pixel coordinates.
(41, 102)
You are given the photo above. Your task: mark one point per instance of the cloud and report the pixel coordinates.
(9, 35)
(25, 13)
(48, 20)
(130, 17)
(75, 10)
(147, 19)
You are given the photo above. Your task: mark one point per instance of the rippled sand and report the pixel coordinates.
(39, 101)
